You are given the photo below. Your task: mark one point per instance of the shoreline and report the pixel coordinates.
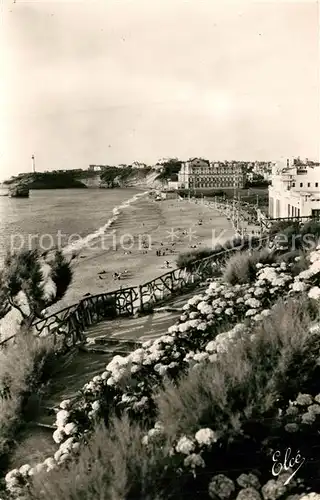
(144, 220)
(130, 245)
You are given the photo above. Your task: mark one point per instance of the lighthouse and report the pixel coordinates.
(33, 164)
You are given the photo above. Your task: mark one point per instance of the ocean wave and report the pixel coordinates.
(83, 242)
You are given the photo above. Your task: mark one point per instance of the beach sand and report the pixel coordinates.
(155, 223)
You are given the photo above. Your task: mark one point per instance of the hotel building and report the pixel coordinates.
(199, 173)
(295, 191)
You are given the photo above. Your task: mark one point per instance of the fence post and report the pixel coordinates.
(140, 297)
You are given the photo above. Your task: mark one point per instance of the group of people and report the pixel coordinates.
(117, 276)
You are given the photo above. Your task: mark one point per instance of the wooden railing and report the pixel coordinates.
(267, 223)
(70, 323)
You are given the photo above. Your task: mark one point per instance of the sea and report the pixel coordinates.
(61, 217)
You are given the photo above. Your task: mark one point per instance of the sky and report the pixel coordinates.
(117, 81)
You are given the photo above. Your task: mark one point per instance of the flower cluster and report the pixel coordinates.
(128, 382)
(222, 487)
(309, 280)
(220, 344)
(302, 412)
(187, 451)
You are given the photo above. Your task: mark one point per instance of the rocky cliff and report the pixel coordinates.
(115, 177)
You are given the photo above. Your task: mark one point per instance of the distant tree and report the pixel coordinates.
(170, 167)
(30, 282)
(109, 176)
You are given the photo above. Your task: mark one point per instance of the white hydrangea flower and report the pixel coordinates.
(145, 440)
(173, 329)
(265, 312)
(194, 460)
(70, 428)
(75, 447)
(50, 463)
(24, 469)
(258, 317)
(58, 436)
(200, 356)
(95, 405)
(65, 404)
(251, 312)
(185, 445)
(134, 369)
(167, 339)
(160, 368)
(62, 418)
(253, 303)
(298, 286)
(311, 496)
(229, 311)
(259, 292)
(137, 356)
(202, 326)
(206, 437)
(193, 315)
(211, 346)
(314, 293)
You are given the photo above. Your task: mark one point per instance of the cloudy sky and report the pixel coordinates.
(116, 81)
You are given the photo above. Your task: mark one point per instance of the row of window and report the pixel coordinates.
(216, 179)
(212, 184)
(216, 171)
(308, 185)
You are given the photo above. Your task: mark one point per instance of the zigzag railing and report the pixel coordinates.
(70, 323)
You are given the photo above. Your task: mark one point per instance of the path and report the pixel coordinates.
(118, 336)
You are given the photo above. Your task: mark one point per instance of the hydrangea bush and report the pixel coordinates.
(207, 326)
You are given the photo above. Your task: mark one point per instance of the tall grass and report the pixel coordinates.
(248, 382)
(22, 367)
(186, 259)
(248, 379)
(114, 465)
(241, 267)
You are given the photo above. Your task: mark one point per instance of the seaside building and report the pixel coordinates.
(295, 190)
(263, 168)
(199, 173)
(139, 165)
(95, 168)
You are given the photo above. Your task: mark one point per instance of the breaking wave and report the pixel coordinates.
(83, 242)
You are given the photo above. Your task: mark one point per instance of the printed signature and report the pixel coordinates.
(287, 464)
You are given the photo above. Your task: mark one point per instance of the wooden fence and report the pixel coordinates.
(267, 223)
(70, 323)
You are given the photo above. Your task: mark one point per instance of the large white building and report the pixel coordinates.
(295, 191)
(199, 173)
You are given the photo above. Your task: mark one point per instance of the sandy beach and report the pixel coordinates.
(130, 245)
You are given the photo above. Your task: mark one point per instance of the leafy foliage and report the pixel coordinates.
(42, 279)
(170, 168)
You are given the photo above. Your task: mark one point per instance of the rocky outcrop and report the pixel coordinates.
(145, 179)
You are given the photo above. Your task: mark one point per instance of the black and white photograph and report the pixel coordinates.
(160, 250)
